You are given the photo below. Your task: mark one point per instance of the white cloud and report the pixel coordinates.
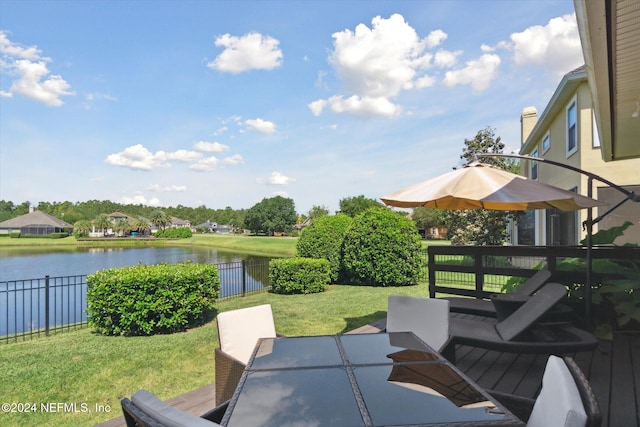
(167, 188)
(181, 155)
(555, 46)
(378, 61)
(91, 98)
(477, 73)
(252, 51)
(259, 125)
(435, 38)
(446, 58)
(205, 165)
(139, 199)
(276, 178)
(210, 147)
(236, 159)
(33, 76)
(375, 64)
(138, 157)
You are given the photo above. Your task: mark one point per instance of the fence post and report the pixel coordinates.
(479, 271)
(46, 305)
(244, 278)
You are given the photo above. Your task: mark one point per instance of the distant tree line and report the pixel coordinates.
(90, 210)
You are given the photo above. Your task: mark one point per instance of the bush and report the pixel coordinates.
(299, 275)
(323, 239)
(60, 235)
(382, 248)
(151, 299)
(15, 235)
(174, 233)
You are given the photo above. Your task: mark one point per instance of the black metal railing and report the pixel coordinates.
(32, 308)
(478, 271)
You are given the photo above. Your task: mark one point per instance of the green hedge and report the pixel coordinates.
(151, 299)
(323, 239)
(174, 233)
(382, 248)
(299, 275)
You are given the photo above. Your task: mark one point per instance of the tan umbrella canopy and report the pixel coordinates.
(480, 185)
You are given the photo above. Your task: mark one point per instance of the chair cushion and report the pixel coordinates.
(239, 330)
(165, 414)
(426, 317)
(559, 403)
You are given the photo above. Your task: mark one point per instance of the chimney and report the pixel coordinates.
(528, 120)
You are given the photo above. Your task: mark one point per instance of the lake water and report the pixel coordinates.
(21, 263)
(23, 298)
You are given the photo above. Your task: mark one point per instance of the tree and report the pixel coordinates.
(318, 211)
(82, 227)
(352, 206)
(426, 218)
(323, 239)
(160, 219)
(140, 225)
(480, 226)
(102, 222)
(276, 214)
(382, 248)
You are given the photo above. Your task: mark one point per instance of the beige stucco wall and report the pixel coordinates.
(587, 157)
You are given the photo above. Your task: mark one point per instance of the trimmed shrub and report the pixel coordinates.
(382, 248)
(151, 299)
(60, 235)
(323, 239)
(174, 233)
(299, 275)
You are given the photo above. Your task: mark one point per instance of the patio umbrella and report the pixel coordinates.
(480, 185)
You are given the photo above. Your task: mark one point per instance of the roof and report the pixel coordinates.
(564, 92)
(610, 36)
(33, 218)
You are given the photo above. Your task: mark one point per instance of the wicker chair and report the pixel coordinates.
(566, 398)
(239, 331)
(144, 409)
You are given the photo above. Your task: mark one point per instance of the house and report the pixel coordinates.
(35, 223)
(214, 227)
(303, 224)
(566, 132)
(179, 223)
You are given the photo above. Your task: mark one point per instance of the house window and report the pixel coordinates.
(594, 130)
(572, 128)
(526, 228)
(546, 143)
(562, 227)
(534, 165)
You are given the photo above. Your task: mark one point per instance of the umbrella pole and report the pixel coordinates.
(587, 285)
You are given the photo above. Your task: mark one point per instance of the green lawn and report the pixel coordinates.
(84, 368)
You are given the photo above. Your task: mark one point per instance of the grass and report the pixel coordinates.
(84, 368)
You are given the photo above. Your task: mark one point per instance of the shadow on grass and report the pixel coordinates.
(356, 322)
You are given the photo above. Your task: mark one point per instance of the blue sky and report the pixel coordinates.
(223, 103)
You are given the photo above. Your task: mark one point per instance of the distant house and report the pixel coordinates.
(214, 227)
(35, 223)
(180, 223)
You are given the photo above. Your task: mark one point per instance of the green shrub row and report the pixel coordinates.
(299, 275)
(151, 299)
(378, 247)
(174, 233)
(18, 235)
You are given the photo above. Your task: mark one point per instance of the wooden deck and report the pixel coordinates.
(613, 371)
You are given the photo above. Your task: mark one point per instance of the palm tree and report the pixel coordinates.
(141, 225)
(160, 219)
(82, 227)
(102, 222)
(122, 227)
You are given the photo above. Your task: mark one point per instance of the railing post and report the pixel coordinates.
(46, 305)
(479, 269)
(432, 273)
(244, 278)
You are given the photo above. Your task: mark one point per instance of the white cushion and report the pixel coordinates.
(165, 414)
(427, 318)
(559, 403)
(239, 330)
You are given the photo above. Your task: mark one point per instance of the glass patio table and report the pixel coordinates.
(381, 379)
